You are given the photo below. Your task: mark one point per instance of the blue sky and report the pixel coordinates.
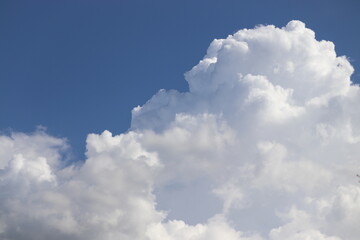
(77, 66)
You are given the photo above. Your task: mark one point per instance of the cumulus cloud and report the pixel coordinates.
(264, 145)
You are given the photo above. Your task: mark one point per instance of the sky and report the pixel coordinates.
(171, 120)
(77, 67)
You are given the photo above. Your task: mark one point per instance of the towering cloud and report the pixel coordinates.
(264, 145)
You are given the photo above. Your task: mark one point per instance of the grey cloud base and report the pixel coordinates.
(265, 145)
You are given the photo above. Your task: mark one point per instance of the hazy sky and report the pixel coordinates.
(164, 120)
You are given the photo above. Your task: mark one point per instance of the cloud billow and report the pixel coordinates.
(263, 146)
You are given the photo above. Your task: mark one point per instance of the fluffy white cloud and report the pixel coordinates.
(108, 197)
(263, 146)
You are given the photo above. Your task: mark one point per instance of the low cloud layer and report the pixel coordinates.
(264, 146)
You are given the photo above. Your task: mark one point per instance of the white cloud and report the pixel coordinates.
(107, 197)
(263, 146)
(215, 228)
